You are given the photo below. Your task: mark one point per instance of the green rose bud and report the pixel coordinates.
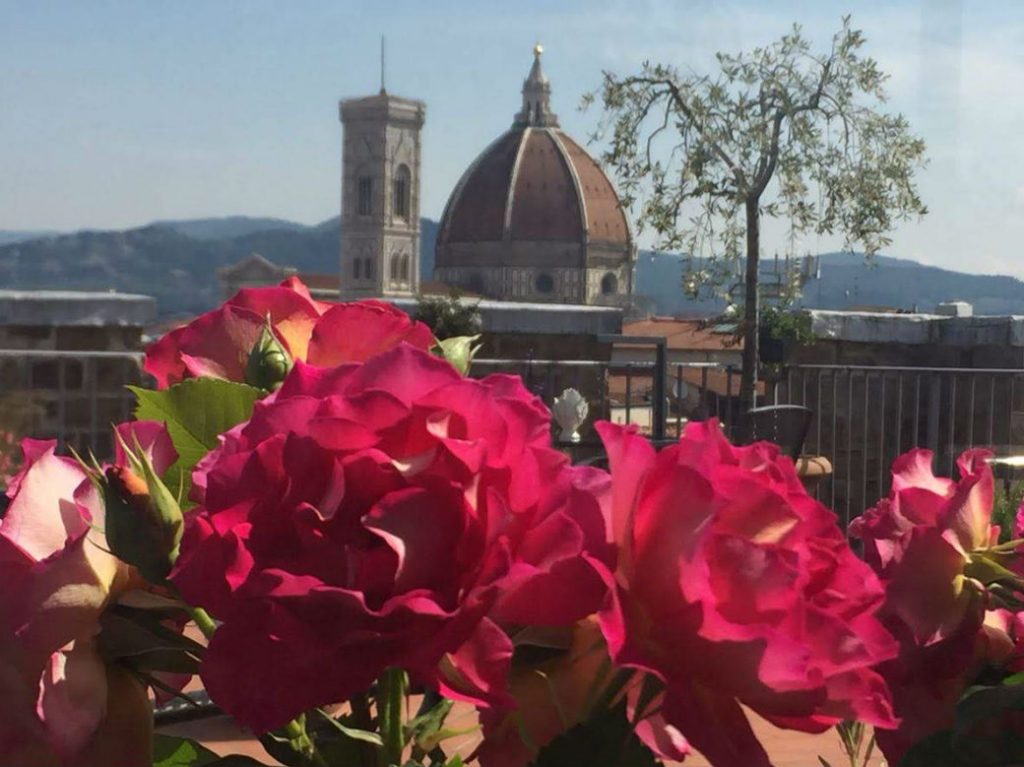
(143, 519)
(459, 351)
(269, 362)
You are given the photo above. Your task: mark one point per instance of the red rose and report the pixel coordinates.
(219, 343)
(384, 514)
(734, 586)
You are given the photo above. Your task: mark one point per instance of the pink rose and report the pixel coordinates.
(919, 538)
(919, 541)
(384, 514)
(57, 579)
(734, 586)
(218, 343)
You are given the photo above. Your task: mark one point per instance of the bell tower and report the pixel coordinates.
(380, 195)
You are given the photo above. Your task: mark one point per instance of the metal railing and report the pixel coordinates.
(863, 416)
(866, 416)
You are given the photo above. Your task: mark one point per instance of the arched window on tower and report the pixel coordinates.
(405, 268)
(356, 264)
(395, 267)
(369, 268)
(609, 284)
(400, 203)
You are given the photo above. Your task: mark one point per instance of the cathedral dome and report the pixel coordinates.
(534, 216)
(534, 184)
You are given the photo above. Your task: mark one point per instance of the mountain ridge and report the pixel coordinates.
(176, 261)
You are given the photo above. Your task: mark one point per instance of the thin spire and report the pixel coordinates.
(536, 109)
(383, 60)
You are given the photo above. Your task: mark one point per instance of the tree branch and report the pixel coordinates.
(768, 162)
(680, 102)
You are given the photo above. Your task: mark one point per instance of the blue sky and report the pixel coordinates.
(114, 114)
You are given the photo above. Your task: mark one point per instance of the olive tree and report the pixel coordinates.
(781, 131)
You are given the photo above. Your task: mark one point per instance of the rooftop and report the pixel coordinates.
(75, 308)
(689, 335)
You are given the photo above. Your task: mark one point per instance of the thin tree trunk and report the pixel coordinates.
(748, 380)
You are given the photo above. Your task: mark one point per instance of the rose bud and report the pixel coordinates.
(143, 520)
(459, 351)
(269, 362)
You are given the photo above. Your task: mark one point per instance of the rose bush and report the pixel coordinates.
(385, 514)
(62, 703)
(218, 343)
(734, 586)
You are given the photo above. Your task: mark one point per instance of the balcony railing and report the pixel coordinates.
(863, 416)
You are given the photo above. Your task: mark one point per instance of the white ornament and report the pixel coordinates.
(570, 411)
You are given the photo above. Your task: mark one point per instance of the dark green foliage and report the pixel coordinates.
(783, 325)
(448, 317)
(607, 740)
(985, 732)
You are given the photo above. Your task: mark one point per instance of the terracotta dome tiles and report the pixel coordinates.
(530, 183)
(477, 210)
(606, 221)
(544, 202)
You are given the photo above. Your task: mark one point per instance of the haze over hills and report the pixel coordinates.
(177, 262)
(848, 280)
(8, 236)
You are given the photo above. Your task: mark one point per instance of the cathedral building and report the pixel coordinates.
(533, 218)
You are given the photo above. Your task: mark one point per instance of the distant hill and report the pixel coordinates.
(8, 236)
(849, 280)
(228, 227)
(177, 262)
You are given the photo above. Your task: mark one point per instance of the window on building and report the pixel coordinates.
(369, 268)
(544, 283)
(356, 268)
(401, 193)
(405, 268)
(609, 284)
(365, 196)
(395, 266)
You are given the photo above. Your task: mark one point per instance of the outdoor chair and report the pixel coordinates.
(785, 425)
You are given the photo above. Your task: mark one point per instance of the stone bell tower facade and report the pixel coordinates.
(380, 196)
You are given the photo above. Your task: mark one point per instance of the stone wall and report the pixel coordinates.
(65, 360)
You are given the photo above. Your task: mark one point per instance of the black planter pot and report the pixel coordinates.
(771, 350)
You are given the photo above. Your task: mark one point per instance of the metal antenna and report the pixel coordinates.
(383, 59)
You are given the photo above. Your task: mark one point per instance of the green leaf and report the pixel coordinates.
(423, 727)
(981, 704)
(606, 740)
(934, 751)
(352, 733)
(196, 412)
(169, 751)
